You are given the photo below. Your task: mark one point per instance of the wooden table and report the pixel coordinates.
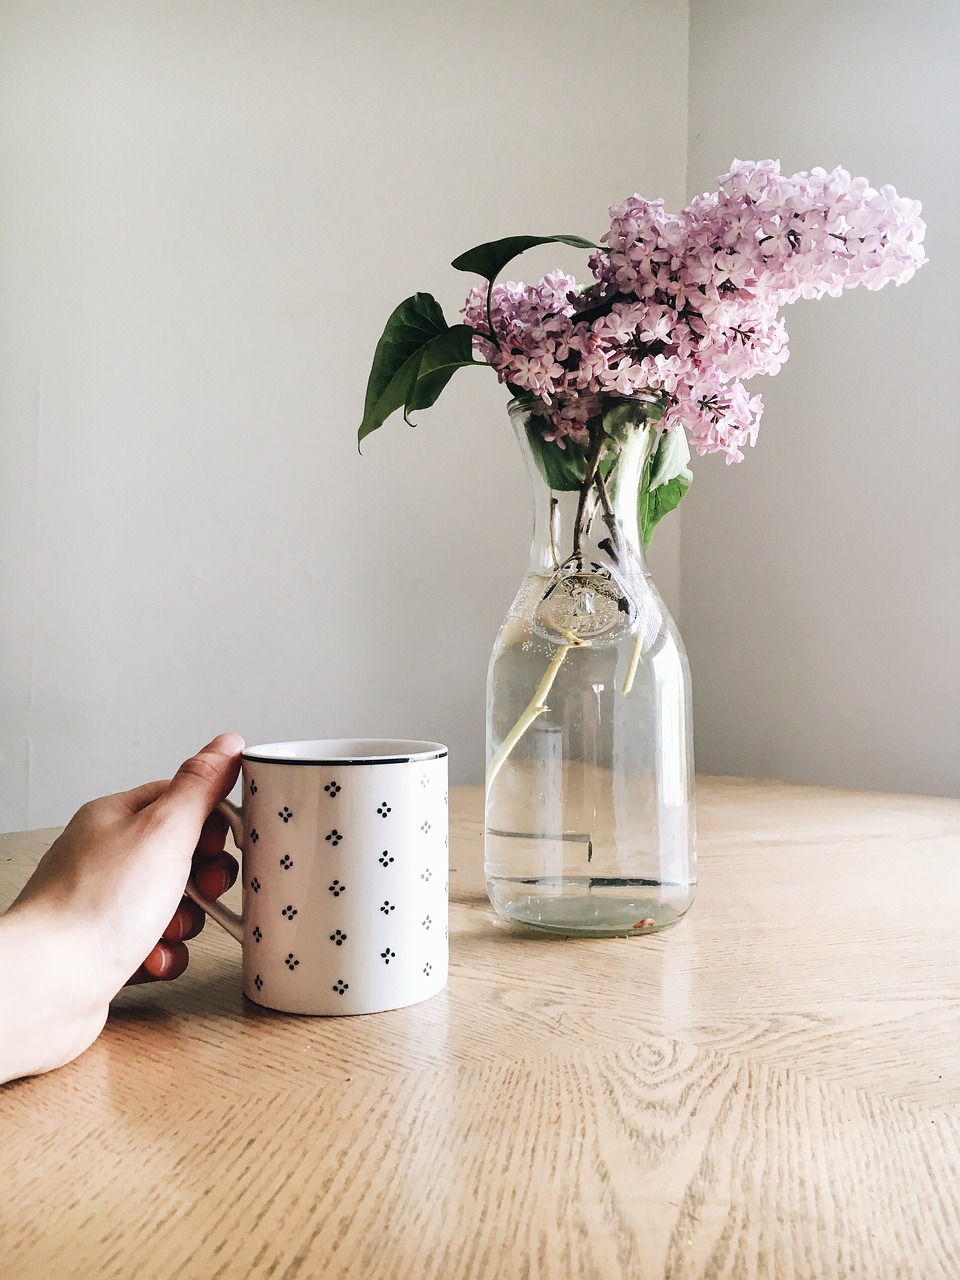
(772, 1088)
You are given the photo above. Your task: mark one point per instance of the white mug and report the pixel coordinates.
(344, 866)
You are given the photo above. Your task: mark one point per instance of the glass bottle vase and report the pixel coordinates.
(590, 820)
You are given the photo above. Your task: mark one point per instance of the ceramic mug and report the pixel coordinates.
(344, 867)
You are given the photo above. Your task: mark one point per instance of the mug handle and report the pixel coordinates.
(224, 917)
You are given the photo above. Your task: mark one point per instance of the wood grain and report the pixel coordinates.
(771, 1089)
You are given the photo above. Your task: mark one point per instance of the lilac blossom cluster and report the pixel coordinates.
(685, 306)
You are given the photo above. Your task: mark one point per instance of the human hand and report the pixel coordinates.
(213, 871)
(105, 906)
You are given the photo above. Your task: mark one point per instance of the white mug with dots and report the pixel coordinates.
(344, 864)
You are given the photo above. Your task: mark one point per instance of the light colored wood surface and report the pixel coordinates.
(772, 1088)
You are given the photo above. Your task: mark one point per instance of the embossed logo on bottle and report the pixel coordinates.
(585, 602)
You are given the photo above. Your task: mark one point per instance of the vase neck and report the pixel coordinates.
(585, 523)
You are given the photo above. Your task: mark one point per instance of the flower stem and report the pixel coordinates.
(535, 707)
(493, 337)
(610, 519)
(635, 655)
(592, 463)
(554, 526)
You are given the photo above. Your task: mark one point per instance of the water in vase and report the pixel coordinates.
(590, 825)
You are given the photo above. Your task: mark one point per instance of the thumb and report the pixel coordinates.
(205, 779)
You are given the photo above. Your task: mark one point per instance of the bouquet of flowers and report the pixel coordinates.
(681, 313)
(589, 818)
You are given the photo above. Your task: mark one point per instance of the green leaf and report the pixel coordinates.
(414, 360)
(597, 309)
(414, 322)
(622, 417)
(666, 478)
(563, 469)
(671, 459)
(488, 260)
(439, 360)
(658, 502)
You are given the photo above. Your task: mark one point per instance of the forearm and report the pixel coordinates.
(50, 1009)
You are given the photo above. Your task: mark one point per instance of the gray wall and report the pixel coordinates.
(207, 212)
(820, 579)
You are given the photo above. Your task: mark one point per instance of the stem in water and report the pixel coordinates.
(535, 707)
(634, 663)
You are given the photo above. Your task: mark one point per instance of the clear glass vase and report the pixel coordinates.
(590, 820)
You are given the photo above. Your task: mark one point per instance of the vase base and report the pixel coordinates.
(590, 907)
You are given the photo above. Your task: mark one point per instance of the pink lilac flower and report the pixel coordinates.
(693, 299)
